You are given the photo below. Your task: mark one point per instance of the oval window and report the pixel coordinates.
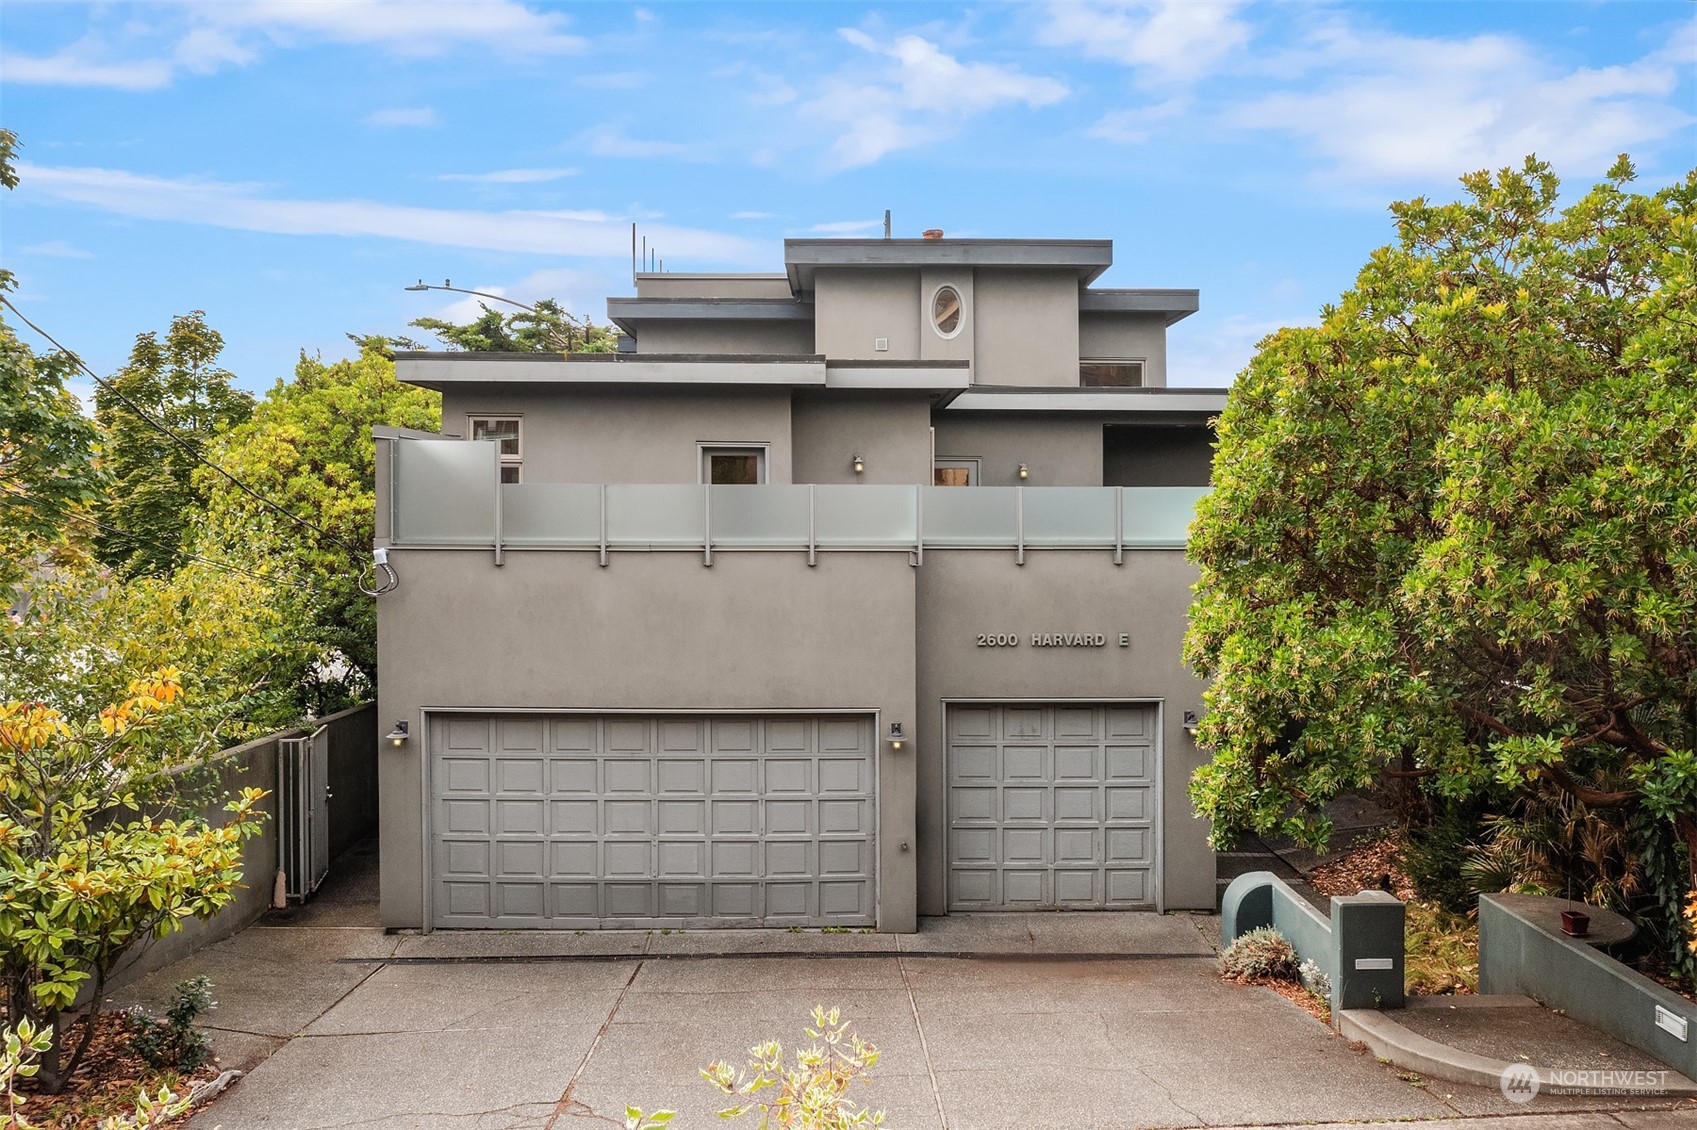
(946, 311)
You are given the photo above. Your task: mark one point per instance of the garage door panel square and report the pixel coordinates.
(1077, 763)
(466, 774)
(788, 775)
(681, 859)
(627, 817)
(1128, 886)
(735, 817)
(788, 858)
(1131, 763)
(627, 736)
(676, 775)
(681, 817)
(734, 775)
(789, 900)
(465, 733)
(840, 735)
(515, 734)
(731, 735)
(519, 816)
(576, 900)
(519, 776)
(1025, 805)
(789, 735)
(1025, 845)
(975, 887)
(1025, 763)
(574, 775)
(1078, 804)
(1023, 723)
(1025, 888)
(736, 900)
(844, 775)
(1078, 888)
(466, 899)
(574, 817)
(465, 817)
(1074, 722)
(520, 857)
(973, 845)
(463, 857)
(734, 859)
(1130, 804)
(683, 900)
(1130, 845)
(519, 900)
(972, 803)
(574, 735)
(681, 735)
(627, 860)
(628, 900)
(974, 763)
(575, 859)
(839, 817)
(971, 724)
(789, 817)
(844, 857)
(1130, 722)
(840, 899)
(1076, 845)
(622, 776)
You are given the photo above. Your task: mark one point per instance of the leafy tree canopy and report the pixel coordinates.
(308, 447)
(545, 328)
(178, 383)
(1453, 533)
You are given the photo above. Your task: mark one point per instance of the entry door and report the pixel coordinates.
(578, 822)
(1052, 807)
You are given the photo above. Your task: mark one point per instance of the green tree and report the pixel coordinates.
(546, 328)
(177, 383)
(1453, 535)
(308, 447)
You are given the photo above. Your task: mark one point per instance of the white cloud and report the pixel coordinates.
(405, 27)
(72, 67)
(754, 215)
(846, 227)
(1212, 353)
(614, 80)
(605, 141)
(918, 94)
(1137, 124)
(1404, 107)
(244, 207)
(511, 176)
(410, 116)
(205, 50)
(56, 249)
(1164, 40)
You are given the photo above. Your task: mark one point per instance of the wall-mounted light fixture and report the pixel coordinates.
(398, 736)
(897, 738)
(859, 463)
(1024, 471)
(1191, 722)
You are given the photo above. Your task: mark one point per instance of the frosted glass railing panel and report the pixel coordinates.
(444, 492)
(1159, 515)
(765, 515)
(1062, 516)
(967, 516)
(550, 514)
(875, 516)
(660, 515)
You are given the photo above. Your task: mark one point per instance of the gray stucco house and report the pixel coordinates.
(842, 595)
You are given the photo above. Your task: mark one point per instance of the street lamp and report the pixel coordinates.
(421, 285)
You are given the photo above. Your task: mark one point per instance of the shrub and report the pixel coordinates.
(1435, 857)
(175, 1042)
(812, 1095)
(1261, 954)
(1314, 979)
(1440, 949)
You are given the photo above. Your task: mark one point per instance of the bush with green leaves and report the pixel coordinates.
(174, 1041)
(1261, 954)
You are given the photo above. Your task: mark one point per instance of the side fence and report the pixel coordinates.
(353, 815)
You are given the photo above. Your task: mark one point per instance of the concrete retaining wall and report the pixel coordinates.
(1517, 955)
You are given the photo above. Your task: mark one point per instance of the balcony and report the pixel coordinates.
(447, 495)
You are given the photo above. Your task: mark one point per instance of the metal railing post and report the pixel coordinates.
(1019, 525)
(1119, 525)
(918, 557)
(603, 525)
(707, 525)
(499, 559)
(812, 530)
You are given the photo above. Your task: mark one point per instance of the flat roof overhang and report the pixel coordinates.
(1088, 257)
(629, 313)
(1102, 402)
(1172, 304)
(443, 370)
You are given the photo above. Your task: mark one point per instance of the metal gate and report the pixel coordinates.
(303, 812)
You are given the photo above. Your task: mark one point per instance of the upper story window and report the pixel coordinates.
(507, 434)
(954, 473)
(733, 466)
(947, 310)
(1110, 374)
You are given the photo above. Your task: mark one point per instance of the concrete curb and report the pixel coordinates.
(1390, 1040)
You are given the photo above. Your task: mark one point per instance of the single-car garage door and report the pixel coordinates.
(1051, 806)
(577, 822)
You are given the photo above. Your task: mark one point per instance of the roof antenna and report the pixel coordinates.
(886, 223)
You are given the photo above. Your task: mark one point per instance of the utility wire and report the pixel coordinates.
(192, 449)
(75, 517)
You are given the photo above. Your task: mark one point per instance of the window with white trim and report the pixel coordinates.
(732, 465)
(1109, 373)
(506, 432)
(954, 472)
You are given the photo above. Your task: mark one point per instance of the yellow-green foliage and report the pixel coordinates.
(1441, 950)
(812, 1094)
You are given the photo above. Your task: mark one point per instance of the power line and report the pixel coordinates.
(192, 449)
(267, 578)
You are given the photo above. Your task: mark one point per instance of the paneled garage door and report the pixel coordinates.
(576, 822)
(1051, 807)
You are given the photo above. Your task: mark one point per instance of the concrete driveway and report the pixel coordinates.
(985, 1022)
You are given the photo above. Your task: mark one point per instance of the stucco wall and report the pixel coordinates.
(1058, 452)
(1126, 337)
(892, 430)
(647, 435)
(652, 631)
(852, 308)
(963, 593)
(792, 338)
(1157, 455)
(1027, 328)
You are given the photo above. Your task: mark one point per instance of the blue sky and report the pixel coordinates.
(289, 165)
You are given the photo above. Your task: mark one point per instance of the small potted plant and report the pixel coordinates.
(1575, 923)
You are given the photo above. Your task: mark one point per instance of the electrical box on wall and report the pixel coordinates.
(881, 344)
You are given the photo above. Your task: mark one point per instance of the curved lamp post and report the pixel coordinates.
(421, 285)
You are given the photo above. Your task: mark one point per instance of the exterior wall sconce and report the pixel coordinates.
(398, 736)
(897, 738)
(1191, 722)
(859, 463)
(1024, 471)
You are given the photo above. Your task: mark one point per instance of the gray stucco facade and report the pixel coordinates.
(767, 621)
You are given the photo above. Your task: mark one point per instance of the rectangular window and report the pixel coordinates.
(954, 473)
(733, 466)
(503, 431)
(1110, 374)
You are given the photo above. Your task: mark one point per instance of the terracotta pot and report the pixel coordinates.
(1575, 923)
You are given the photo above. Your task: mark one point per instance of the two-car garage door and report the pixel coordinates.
(580, 821)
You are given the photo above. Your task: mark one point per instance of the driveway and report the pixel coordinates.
(985, 1023)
